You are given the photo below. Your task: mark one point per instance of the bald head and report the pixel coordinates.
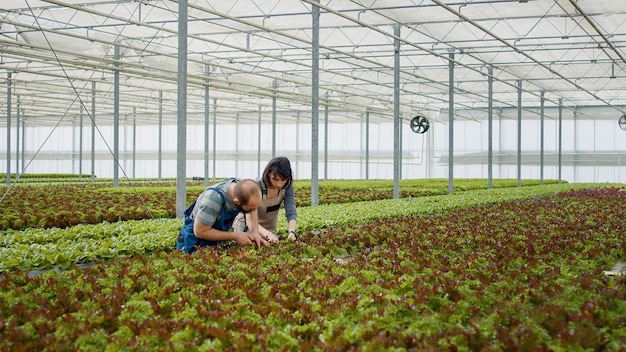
(247, 194)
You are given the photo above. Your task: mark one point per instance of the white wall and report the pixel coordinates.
(50, 150)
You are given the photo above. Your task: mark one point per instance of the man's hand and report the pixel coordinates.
(258, 239)
(248, 238)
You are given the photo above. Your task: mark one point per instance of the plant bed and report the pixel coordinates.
(44, 248)
(521, 275)
(48, 205)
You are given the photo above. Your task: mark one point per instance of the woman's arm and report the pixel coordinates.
(290, 213)
(290, 204)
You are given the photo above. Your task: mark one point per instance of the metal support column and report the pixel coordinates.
(214, 138)
(23, 147)
(490, 129)
(181, 113)
(295, 161)
(160, 146)
(367, 145)
(575, 155)
(397, 160)
(519, 132)
(237, 144)
(542, 132)
(17, 136)
(206, 127)
(134, 141)
(451, 122)
(116, 116)
(258, 154)
(315, 86)
(560, 132)
(93, 131)
(275, 85)
(73, 152)
(326, 136)
(9, 128)
(80, 143)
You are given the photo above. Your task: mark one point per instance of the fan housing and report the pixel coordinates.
(420, 124)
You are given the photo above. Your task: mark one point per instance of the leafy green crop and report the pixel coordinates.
(36, 248)
(45, 248)
(523, 274)
(28, 205)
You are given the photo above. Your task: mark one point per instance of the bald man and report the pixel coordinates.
(209, 219)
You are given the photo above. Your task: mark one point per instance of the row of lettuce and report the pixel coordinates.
(65, 204)
(41, 248)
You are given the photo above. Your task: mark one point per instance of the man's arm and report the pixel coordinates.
(209, 233)
(253, 221)
(206, 232)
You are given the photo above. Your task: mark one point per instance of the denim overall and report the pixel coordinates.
(188, 242)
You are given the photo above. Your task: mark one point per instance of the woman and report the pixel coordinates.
(276, 187)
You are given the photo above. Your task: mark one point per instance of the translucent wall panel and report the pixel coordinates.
(593, 151)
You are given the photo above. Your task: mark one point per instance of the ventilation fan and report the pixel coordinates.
(419, 124)
(622, 122)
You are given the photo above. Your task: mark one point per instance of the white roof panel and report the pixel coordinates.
(248, 51)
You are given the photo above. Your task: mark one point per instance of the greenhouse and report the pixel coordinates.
(458, 174)
(112, 88)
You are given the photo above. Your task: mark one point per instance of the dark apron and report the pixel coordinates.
(187, 240)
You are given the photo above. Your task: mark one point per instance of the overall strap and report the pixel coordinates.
(219, 191)
(263, 189)
(224, 220)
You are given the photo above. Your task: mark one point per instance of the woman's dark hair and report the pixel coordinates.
(280, 166)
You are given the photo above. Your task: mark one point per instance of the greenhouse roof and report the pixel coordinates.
(254, 57)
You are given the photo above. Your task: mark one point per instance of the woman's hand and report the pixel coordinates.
(268, 235)
(272, 238)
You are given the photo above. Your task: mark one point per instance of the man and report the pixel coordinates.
(209, 219)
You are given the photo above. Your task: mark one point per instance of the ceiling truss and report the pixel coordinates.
(251, 55)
